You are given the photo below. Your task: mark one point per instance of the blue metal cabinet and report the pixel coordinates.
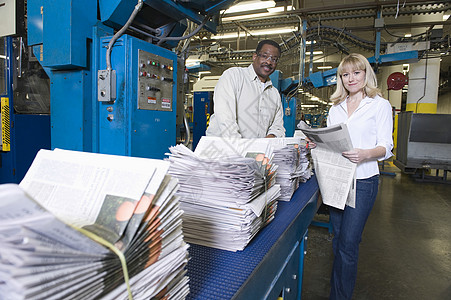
(201, 114)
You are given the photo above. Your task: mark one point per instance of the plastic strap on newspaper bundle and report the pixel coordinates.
(266, 204)
(116, 251)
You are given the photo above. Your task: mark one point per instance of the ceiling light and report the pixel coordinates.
(445, 17)
(323, 67)
(249, 6)
(279, 9)
(225, 36)
(234, 35)
(309, 105)
(408, 35)
(245, 17)
(314, 52)
(273, 31)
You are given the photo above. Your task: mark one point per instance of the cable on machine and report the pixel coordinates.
(120, 32)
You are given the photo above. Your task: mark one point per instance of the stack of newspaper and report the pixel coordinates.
(290, 155)
(84, 226)
(227, 190)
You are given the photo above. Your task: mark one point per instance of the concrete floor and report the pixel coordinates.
(406, 246)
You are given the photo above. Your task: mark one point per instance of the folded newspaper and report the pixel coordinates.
(334, 172)
(80, 224)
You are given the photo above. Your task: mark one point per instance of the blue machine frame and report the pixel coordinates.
(201, 114)
(69, 42)
(288, 104)
(29, 134)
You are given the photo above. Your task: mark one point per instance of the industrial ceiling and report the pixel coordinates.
(332, 29)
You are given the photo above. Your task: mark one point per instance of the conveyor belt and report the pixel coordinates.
(219, 274)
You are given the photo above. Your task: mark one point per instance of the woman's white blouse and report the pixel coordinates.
(370, 125)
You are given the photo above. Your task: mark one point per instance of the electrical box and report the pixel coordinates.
(155, 82)
(141, 121)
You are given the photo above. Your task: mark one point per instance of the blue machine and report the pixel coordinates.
(22, 131)
(113, 93)
(201, 114)
(289, 103)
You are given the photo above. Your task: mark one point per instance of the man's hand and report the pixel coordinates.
(270, 136)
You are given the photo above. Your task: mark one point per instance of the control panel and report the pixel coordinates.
(155, 82)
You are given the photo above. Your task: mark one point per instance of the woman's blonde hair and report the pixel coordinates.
(353, 62)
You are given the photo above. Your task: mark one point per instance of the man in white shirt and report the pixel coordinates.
(246, 104)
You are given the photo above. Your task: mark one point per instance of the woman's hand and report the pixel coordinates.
(356, 155)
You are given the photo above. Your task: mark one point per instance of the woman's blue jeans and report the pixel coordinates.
(348, 227)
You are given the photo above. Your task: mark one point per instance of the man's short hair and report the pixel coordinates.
(268, 42)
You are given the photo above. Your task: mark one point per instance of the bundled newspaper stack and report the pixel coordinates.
(227, 190)
(88, 226)
(290, 155)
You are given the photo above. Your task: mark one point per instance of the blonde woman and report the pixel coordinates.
(357, 103)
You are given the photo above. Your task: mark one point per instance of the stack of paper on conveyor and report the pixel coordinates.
(290, 157)
(65, 227)
(227, 190)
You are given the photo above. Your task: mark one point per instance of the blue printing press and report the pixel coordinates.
(270, 264)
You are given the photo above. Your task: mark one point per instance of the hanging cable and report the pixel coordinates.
(424, 88)
(179, 38)
(397, 8)
(120, 32)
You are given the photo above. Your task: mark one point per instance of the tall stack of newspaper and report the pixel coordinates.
(89, 226)
(290, 155)
(227, 190)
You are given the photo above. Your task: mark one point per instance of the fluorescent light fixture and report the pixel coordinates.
(249, 6)
(408, 35)
(204, 72)
(445, 17)
(324, 67)
(314, 52)
(279, 9)
(245, 17)
(269, 5)
(309, 105)
(273, 31)
(234, 35)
